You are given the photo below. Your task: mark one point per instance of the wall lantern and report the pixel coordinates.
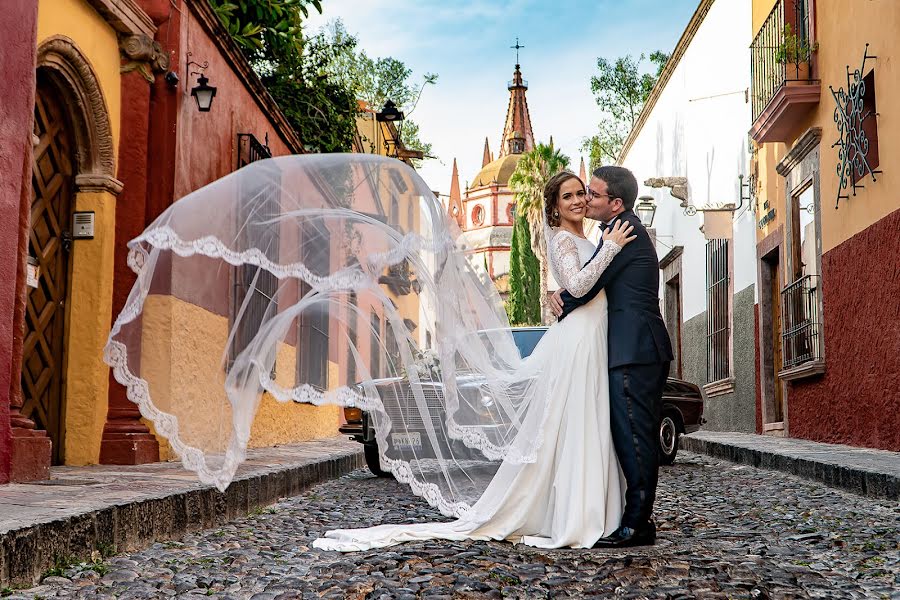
(203, 93)
(646, 210)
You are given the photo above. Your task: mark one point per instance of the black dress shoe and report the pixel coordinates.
(627, 537)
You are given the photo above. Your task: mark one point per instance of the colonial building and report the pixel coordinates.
(117, 135)
(689, 150)
(826, 145)
(485, 212)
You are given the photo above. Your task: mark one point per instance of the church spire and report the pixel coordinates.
(487, 154)
(517, 134)
(454, 206)
(582, 173)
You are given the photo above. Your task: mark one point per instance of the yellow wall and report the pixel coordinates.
(90, 295)
(187, 381)
(844, 28)
(761, 10)
(98, 43)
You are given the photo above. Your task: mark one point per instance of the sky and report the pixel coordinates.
(467, 43)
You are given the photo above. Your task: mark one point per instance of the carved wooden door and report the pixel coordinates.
(43, 364)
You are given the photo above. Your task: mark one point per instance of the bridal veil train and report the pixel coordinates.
(301, 280)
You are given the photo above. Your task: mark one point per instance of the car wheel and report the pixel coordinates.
(373, 462)
(668, 440)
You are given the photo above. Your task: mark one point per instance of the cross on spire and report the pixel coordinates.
(517, 46)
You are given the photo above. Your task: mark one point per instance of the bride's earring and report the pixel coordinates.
(555, 214)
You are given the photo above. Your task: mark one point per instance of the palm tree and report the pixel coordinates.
(527, 182)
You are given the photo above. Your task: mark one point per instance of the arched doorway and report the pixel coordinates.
(44, 356)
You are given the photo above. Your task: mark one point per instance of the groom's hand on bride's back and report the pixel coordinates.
(556, 303)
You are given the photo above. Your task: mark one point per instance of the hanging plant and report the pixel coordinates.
(794, 49)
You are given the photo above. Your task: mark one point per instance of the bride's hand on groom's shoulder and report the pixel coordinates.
(620, 233)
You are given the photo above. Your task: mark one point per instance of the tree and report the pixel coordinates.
(524, 304)
(296, 69)
(377, 80)
(527, 182)
(620, 90)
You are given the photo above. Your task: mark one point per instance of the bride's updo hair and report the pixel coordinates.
(551, 195)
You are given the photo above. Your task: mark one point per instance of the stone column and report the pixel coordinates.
(126, 439)
(24, 451)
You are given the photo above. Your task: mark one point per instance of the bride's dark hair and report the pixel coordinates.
(551, 195)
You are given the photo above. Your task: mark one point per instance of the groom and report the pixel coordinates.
(639, 352)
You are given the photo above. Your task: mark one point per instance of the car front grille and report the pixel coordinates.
(400, 405)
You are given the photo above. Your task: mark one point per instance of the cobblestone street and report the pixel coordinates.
(726, 531)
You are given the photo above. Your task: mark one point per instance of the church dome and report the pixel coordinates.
(497, 171)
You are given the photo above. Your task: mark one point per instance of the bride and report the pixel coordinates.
(301, 280)
(572, 495)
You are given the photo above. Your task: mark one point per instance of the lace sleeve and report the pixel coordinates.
(577, 280)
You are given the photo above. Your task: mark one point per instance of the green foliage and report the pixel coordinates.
(524, 304)
(265, 28)
(377, 80)
(620, 89)
(794, 49)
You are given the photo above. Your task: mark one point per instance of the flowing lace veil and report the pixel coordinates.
(324, 280)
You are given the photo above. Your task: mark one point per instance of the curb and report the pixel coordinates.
(845, 477)
(27, 553)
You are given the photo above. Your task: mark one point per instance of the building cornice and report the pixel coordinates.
(207, 18)
(686, 38)
(125, 16)
(808, 142)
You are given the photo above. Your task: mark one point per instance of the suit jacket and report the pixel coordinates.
(637, 332)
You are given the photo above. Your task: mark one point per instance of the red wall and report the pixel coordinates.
(857, 400)
(18, 29)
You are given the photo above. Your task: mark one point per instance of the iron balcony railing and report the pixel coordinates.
(802, 335)
(773, 62)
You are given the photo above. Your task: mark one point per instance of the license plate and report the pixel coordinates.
(406, 440)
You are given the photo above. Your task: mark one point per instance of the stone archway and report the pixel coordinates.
(65, 64)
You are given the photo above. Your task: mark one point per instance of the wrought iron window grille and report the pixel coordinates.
(802, 334)
(853, 143)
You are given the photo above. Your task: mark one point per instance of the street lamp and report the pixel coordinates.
(203, 93)
(646, 210)
(390, 112)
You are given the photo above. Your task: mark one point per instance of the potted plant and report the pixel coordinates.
(794, 53)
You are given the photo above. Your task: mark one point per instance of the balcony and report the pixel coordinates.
(802, 334)
(782, 61)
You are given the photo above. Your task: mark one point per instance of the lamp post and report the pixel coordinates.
(390, 112)
(646, 210)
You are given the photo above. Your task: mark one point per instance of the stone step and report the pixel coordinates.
(104, 509)
(864, 471)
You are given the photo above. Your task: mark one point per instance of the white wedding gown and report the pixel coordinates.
(573, 494)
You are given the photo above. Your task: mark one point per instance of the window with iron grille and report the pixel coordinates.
(353, 337)
(253, 290)
(718, 301)
(375, 346)
(315, 240)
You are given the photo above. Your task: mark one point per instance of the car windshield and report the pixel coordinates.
(526, 340)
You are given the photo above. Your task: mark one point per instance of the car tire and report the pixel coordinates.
(373, 461)
(669, 432)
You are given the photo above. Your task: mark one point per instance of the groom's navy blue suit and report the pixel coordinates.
(639, 357)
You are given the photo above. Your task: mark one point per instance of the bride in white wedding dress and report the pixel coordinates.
(304, 281)
(573, 494)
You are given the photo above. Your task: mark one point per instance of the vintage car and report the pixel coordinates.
(682, 410)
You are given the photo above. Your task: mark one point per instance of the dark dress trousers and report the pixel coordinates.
(639, 357)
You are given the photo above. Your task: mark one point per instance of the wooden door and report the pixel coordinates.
(777, 360)
(43, 364)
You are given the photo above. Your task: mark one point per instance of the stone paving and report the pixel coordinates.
(726, 531)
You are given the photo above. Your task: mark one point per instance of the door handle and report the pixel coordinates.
(66, 241)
